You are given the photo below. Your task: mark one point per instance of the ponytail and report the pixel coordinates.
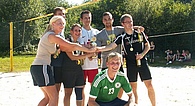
(52, 20)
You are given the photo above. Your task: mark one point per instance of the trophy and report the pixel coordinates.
(93, 44)
(80, 61)
(57, 52)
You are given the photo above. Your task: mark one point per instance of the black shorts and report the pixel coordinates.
(57, 74)
(42, 75)
(133, 70)
(73, 78)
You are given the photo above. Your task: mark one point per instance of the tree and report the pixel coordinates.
(26, 34)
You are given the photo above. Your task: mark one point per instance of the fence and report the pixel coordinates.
(174, 41)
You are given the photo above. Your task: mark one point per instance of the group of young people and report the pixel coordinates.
(171, 57)
(73, 61)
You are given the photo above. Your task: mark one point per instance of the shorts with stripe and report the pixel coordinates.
(42, 75)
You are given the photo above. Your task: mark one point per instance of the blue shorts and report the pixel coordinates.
(42, 75)
(115, 102)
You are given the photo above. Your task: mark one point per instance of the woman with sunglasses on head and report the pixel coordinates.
(41, 72)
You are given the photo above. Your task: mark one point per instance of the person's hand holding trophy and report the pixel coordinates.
(93, 44)
(57, 52)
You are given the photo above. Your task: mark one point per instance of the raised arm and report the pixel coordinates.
(68, 46)
(139, 28)
(73, 57)
(107, 48)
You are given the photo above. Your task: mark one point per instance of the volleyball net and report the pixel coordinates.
(25, 43)
(20, 33)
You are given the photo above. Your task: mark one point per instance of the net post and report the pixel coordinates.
(11, 46)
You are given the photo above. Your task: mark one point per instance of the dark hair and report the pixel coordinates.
(84, 12)
(107, 13)
(75, 25)
(125, 16)
(58, 9)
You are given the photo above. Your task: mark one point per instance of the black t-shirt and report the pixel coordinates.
(69, 64)
(134, 41)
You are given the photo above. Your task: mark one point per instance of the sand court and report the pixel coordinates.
(173, 87)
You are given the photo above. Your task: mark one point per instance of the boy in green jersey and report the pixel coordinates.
(107, 83)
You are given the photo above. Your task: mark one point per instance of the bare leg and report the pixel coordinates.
(45, 100)
(152, 60)
(79, 102)
(51, 92)
(83, 95)
(134, 88)
(151, 92)
(68, 92)
(167, 58)
(58, 85)
(120, 94)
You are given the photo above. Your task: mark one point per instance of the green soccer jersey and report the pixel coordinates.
(105, 90)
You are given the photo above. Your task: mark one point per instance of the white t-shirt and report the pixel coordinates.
(88, 34)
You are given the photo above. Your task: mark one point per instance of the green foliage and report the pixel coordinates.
(156, 16)
(26, 34)
(49, 5)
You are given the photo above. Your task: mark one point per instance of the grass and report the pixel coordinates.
(22, 63)
(161, 62)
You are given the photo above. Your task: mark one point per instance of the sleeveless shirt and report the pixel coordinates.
(44, 51)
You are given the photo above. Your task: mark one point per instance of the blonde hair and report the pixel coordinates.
(114, 55)
(52, 20)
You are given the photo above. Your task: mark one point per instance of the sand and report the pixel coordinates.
(173, 87)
